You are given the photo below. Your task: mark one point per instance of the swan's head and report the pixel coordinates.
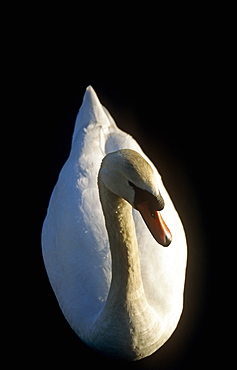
(127, 174)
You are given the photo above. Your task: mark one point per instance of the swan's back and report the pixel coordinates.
(74, 238)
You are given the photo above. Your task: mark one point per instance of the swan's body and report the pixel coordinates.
(119, 289)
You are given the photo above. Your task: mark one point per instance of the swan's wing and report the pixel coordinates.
(74, 238)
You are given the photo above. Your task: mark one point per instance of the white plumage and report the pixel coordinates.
(77, 250)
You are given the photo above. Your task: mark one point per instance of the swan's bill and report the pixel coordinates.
(155, 224)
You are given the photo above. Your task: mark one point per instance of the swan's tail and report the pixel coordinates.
(91, 112)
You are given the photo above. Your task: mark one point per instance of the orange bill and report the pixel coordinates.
(155, 224)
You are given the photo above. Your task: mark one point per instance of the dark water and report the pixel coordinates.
(182, 154)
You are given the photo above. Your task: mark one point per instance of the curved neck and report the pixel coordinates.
(126, 272)
(126, 322)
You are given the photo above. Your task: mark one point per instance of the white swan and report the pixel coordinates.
(119, 288)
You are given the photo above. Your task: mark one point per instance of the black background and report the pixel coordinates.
(169, 95)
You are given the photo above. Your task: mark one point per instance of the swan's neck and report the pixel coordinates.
(126, 281)
(126, 323)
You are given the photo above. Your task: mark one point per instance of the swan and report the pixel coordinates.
(113, 245)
